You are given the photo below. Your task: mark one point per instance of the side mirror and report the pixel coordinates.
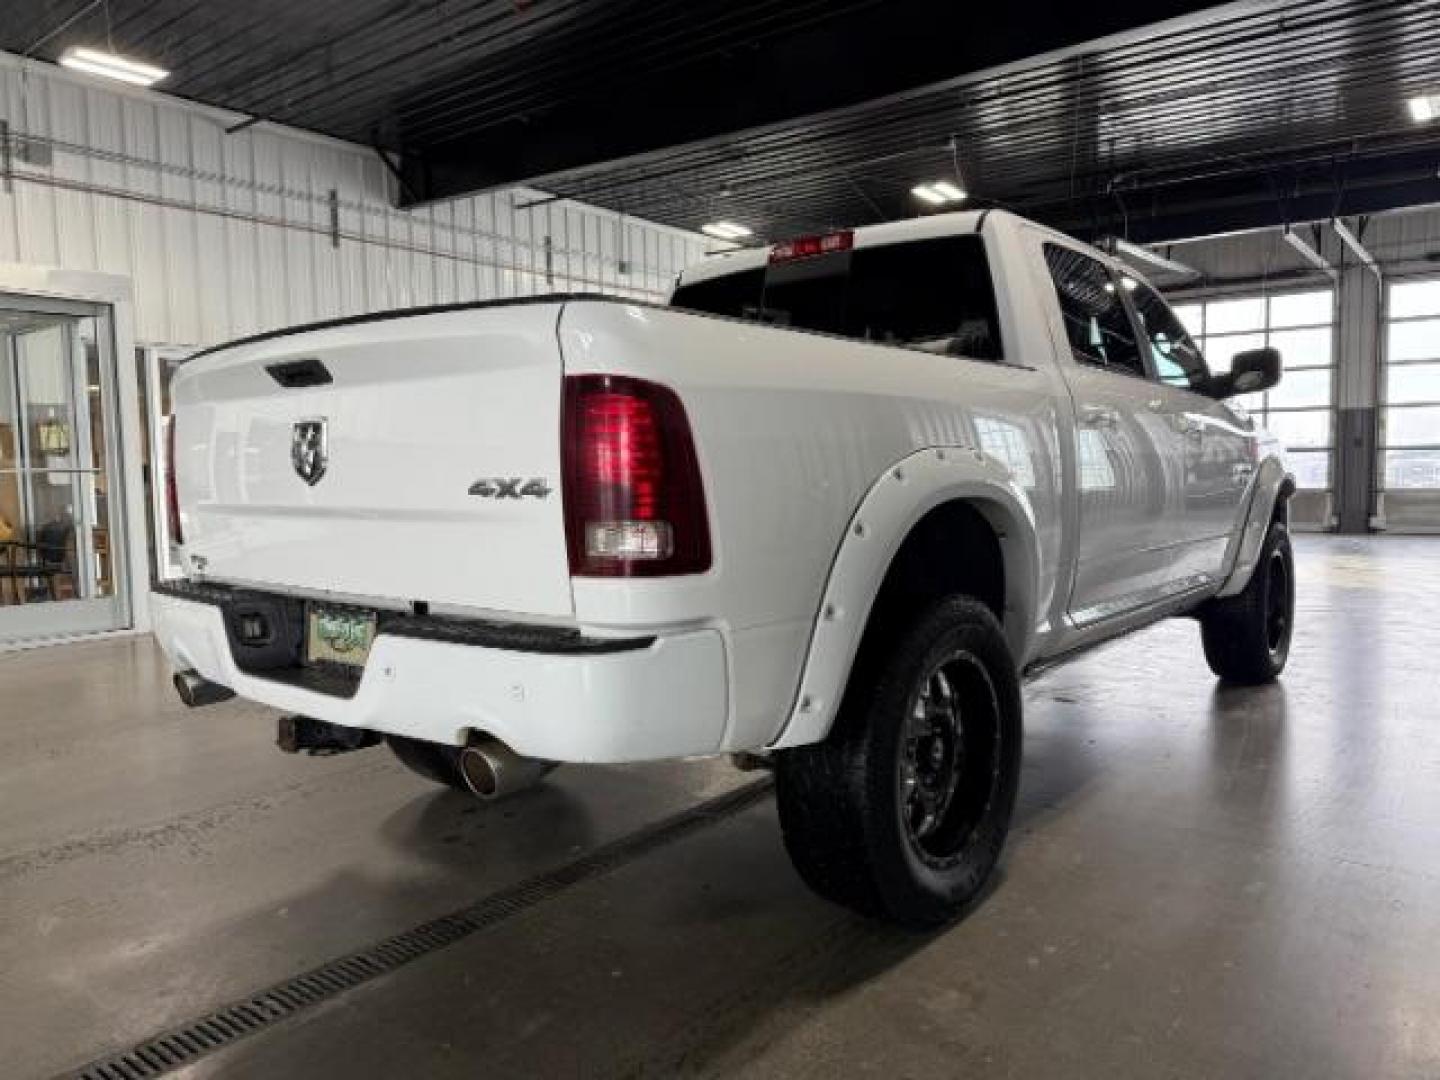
(1250, 372)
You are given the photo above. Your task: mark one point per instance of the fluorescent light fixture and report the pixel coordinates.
(1308, 253)
(1134, 253)
(1352, 241)
(1425, 108)
(110, 66)
(725, 230)
(938, 193)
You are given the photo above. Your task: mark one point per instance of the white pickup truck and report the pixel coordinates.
(824, 510)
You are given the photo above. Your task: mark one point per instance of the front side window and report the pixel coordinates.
(934, 295)
(1096, 322)
(1176, 357)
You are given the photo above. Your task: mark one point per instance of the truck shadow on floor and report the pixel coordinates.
(743, 951)
(456, 831)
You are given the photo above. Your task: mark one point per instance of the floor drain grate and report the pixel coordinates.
(205, 1035)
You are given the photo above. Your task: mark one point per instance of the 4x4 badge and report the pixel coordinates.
(513, 487)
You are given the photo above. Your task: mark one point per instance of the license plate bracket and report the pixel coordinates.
(338, 636)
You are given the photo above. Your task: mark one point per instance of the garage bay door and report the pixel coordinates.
(1410, 426)
(1300, 411)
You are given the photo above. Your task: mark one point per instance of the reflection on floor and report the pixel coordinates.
(1202, 882)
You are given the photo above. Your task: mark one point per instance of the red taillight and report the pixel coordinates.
(807, 247)
(634, 505)
(172, 493)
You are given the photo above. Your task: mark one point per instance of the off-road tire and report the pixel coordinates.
(1247, 636)
(848, 815)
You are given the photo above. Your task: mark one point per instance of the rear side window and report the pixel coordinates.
(736, 295)
(1096, 321)
(934, 295)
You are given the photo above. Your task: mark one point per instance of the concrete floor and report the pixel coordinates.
(1201, 882)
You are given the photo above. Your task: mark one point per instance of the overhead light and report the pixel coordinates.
(110, 66)
(1425, 108)
(1133, 253)
(1352, 241)
(725, 230)
(938, 193)
(1308, 253)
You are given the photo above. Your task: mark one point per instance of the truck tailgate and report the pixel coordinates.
(415, 410)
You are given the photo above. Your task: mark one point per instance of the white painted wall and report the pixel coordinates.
(226, 235)
(217, 236)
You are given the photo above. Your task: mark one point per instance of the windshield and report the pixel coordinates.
(934, 295)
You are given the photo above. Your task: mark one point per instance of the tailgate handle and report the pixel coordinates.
(294, 374)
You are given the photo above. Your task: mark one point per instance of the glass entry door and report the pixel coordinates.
(61, 544)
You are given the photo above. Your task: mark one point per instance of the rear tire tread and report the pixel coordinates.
(840, 828)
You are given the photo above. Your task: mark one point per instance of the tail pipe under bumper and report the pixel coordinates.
(492, 770)
(195, 690)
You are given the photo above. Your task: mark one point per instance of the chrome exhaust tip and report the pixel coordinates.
(491, 770)
(195, 690)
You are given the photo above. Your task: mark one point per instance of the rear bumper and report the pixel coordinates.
(639, 700)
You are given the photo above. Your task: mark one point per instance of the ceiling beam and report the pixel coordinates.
(874, 51)
(1182, 208)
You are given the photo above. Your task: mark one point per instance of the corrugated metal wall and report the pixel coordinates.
(229, 234)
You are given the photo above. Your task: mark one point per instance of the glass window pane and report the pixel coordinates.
(1414, 340)
(1301, 389)
(1300, 430)
(1413, 298)
(1219, 351)
(889, 300)
(1412, 469)
(933, 294)
(1227, 316)
(1176, 358)
(1302, 309)
(1190, 316)
(1096, 321)
(1413, 426)
(1413, 382)
(1303, 348)
(1311, 469)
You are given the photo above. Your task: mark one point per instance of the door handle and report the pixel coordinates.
(1098, 417)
